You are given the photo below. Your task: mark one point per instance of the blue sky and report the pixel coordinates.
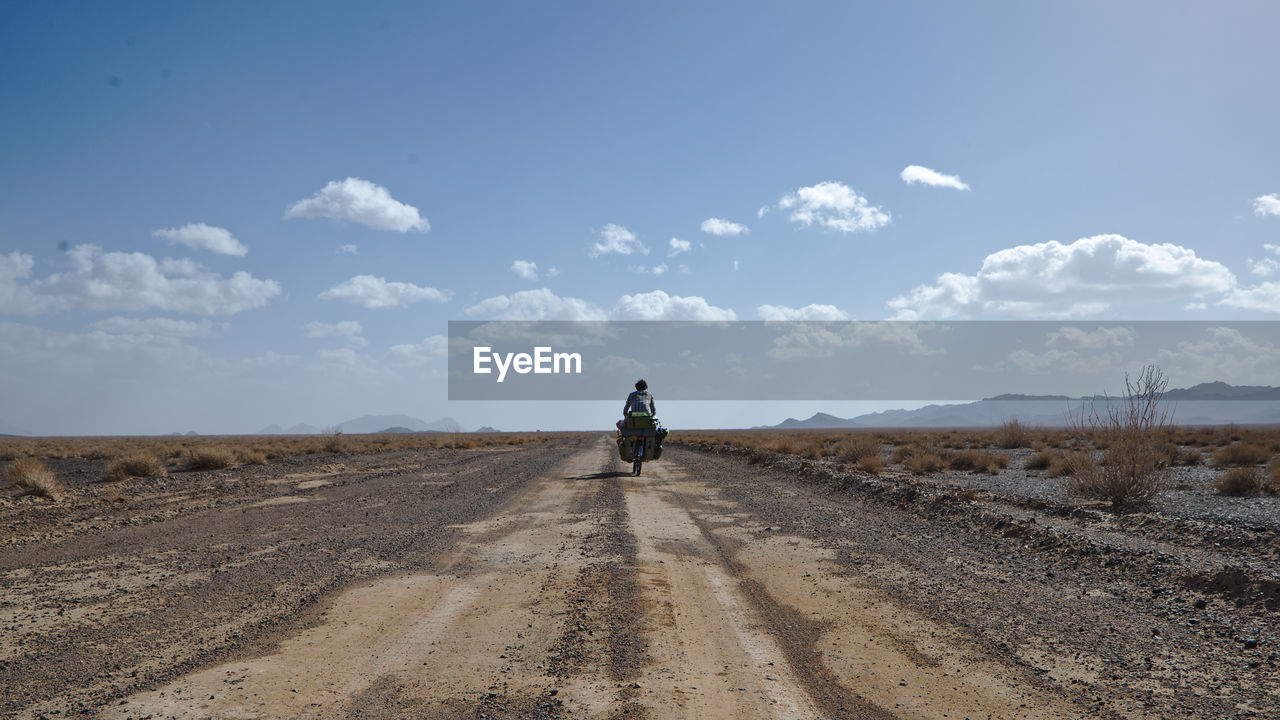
(427, 148)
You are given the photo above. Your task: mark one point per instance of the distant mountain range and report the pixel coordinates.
(372, 424)
(1213, 403)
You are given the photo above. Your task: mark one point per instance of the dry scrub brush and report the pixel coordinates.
(32, 477)
(1241, 481)
(209, 458)
(138, 464)
(1131, 430)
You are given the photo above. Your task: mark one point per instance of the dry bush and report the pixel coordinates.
(137, 464)
(855, 448)
(1135, 465)
(1040, 461)
(1273, 482)
(977, 461)
(1238, 454)
(333, 441)
(32, 477)
(873, 464)
(209, 458)
(925, 462)
(1189, 456)
(1011, 434)
(903, 453)
(1240, 481)
(250, 456)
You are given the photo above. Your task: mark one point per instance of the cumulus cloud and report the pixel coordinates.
(1054, 279)
(834, 206)
(101, 281)
(658, 305)
(1266, 267)
(678, 246)
(203, 237)
(913, 174)
(1264, 296)
(1266, 205)
(525, 269)
(167, 327)
(808, 312)
(650, 270)
(360, 201)
(723, 228)
(431, 347)
(374, 292)
(617, 240)
(541, 304)
(348, 330)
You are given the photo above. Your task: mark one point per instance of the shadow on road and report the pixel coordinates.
(601, 475)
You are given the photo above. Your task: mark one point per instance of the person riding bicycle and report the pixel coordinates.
(640, 401)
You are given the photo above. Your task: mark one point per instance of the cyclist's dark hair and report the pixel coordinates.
(642, 385)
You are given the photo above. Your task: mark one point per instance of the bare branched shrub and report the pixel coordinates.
(1240, 481)
(1240, 454)
(1134, 467)
(138, 464)
(32, 477)
(1011, 434)
(331, 440)
(209, 458)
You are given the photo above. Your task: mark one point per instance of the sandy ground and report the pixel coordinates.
(547, 582)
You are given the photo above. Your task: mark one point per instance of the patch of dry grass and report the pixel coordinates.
(1240, 454)
(209, 458)
(137, 464)
(1240, 481)
(32, 477)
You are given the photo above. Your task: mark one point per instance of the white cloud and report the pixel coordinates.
(101, 281)
(735, 266)
(1054, 279)
(764, 209)
(650, 270)
(348, 330)
(1079, 338)
(375, 292)
(362, 202)
(1266, 267)
(525, 269)
(1266, 205)
(658, 305)
(168, 327)
(203, 237)
(553, 272)
(541, 304)
(678, 246)
(615, 239)
(913, 174)
(347, 250)
(434, 346)
(808, 312)
(1264, 296)
(723, 228)
(834, 206)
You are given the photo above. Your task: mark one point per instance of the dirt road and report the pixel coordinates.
(546, 582)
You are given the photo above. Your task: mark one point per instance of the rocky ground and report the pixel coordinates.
(541, 581)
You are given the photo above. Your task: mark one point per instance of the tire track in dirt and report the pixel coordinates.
(850, 650)
(473, 637)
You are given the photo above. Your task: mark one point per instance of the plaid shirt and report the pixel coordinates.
(640, 401)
